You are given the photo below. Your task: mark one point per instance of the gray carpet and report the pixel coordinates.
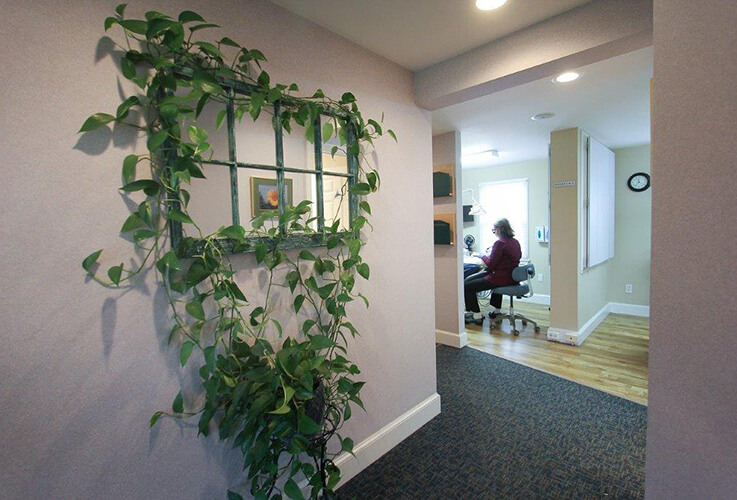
(508, 431)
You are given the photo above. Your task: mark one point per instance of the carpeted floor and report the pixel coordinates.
(508, 431)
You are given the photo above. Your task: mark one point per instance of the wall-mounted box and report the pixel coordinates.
(443, 180)
(467, 217)
(444, 229)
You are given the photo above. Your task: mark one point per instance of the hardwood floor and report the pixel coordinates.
(612, 359)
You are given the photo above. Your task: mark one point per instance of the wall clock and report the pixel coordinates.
(639, 182)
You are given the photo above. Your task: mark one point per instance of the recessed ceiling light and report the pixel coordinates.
(489, 4)
(566, 77)
(542, 116)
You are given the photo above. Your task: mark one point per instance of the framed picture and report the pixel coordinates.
(265, 196)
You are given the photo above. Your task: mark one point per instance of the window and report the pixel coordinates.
(505, 200)
(263, 165)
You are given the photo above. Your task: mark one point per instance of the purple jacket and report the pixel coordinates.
(504, 258)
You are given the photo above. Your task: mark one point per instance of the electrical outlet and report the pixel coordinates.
(628, 288)
(540, 277)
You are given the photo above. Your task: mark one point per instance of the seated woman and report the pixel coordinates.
(504, 257)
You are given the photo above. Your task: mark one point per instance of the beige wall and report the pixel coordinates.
(83, 368)
(446, 149)
(692, 410)
(536, 173)
(564, 146)
(631, 263)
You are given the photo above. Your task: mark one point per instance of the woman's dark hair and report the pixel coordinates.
(505, 230)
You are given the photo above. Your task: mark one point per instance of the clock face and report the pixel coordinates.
(638, 182)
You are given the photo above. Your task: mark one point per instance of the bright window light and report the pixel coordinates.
(505, 199)
(567, 77)
(489, 4)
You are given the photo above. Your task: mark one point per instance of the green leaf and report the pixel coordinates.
(135, 26)
(143, 234)
(90, 260)
(129, 168)
(129, 71)
(307, 426)
(263, 79)
(372, 179)
(133, 221)
(110, 21)
(307, 255)
(210, 358)
(347, 98)
(327, 131)
(96, 121)
(125, 106)
(203, 26)
(234, 232)
(232, 495)
(178, 405)
(307, 325)
(391, 133)
(346, 445)
(260, 250)
(150, 187)
(114, 273)
(120, 9)
(292, 490)
(365, 207)
(157, 139)
(155, 418)
(363, 270)
(321, 342)
(188, 16)
(186, 352)
(220, 118)
(361, 189)
(298, 301)
(178, 216)
(229, 41)
(194, 308)
(197, 135)
(168, 260)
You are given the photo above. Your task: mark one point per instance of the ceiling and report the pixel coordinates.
(611, 101)
(419, 33)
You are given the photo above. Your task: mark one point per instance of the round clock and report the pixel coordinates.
(638, 182)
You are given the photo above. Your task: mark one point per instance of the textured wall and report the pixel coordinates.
(82, 368)
(536, 173)
(692, 411)
(446, 149)
(590, 33)
(631, 263)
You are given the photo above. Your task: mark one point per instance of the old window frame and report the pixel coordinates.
(306, 240)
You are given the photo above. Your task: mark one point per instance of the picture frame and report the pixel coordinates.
(265, 196)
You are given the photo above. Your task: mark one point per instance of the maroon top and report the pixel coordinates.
(504, 258)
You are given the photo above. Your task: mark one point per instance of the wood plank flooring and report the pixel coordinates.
(612, 359)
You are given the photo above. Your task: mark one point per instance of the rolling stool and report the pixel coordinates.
(523, 275)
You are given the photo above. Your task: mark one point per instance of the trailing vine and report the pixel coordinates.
(279, 396)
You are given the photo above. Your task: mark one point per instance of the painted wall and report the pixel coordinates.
(633, 214)
(536, 173)
(446, 149)
(692, 409)
(83, 368)
(564, 146)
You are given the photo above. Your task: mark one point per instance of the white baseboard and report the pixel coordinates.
(377, 444)
(576, 337)
(592, 323)
(451, 339)
(631, 309)
(537, 299)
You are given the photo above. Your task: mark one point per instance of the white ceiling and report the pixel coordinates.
(420, 33)
(611, 101)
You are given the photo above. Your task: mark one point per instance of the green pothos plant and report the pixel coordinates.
(278, 396)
